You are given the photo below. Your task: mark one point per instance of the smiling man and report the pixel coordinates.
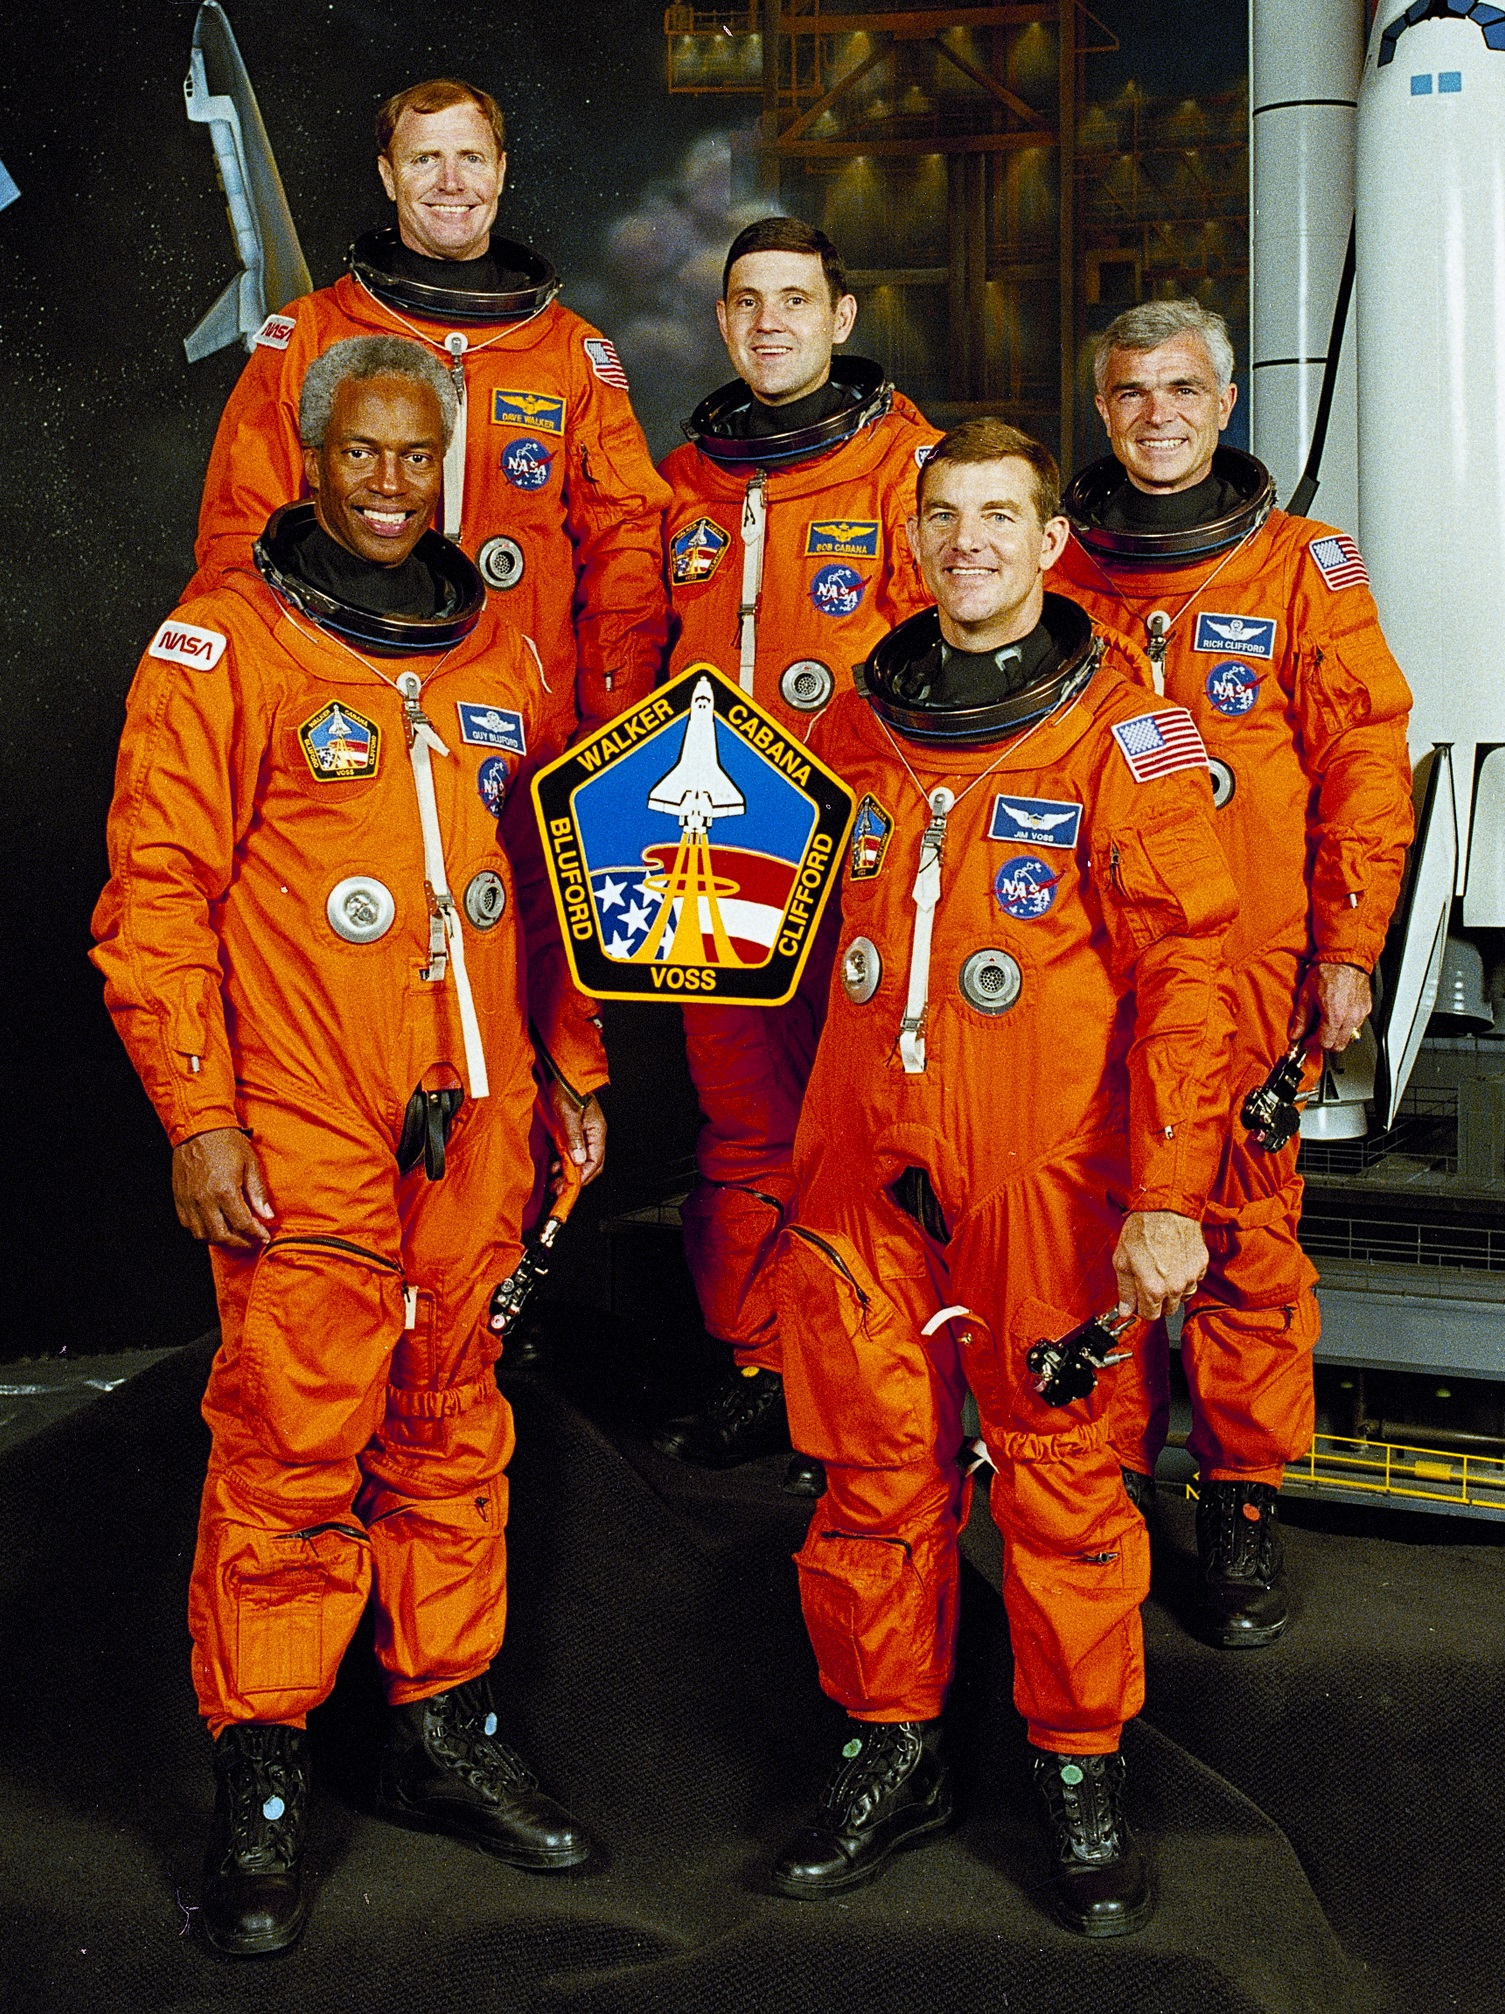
(787, 560)
(1011, 1126)
(547, 484)
(324, 955)
(1262, 626)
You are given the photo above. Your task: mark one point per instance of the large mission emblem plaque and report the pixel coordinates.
(692, 844)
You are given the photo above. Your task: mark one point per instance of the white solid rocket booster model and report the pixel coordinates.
(697, 789)
(218, 95)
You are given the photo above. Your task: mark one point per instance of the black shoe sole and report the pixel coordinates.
(257, 1947)
(1241, 1639)
(859, 1877)
(1096, 1927)
(531, 1860)
(719, 1461)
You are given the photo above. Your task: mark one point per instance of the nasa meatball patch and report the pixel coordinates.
(837, 590)
(692, 844)
(182, 643)
(339, 744)
(527, 464)
(1036, 821)
(1026, 887)
(1233, 688)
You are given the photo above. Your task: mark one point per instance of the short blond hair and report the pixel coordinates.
(437, 95)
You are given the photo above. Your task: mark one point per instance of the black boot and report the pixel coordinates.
(445, 1771)
(804, 1477)
(1244, 1602)
(742, 1419)
(1141, 1491)
(253, 1882)
(1099, 1883)
(890, 1787)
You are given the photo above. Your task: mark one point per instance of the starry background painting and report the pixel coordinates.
(117, 244)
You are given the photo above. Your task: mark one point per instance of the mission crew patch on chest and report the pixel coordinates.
(1158, 744)
(539, 410)
(339, 744)
(842, 538)
(183, 643)
(1039, 821)
(1236, 635)
(696, 552)
(871, 833)
(491, 727)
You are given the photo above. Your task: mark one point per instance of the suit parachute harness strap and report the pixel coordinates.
(754, 519)
(446, 938)
(926, 896)
(454, 453)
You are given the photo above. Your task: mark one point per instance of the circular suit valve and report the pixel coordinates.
(360, 909)
(991, 981)
(501, 562)
(807, 685)
(861, 969)
(485, 898)
(1222, 782)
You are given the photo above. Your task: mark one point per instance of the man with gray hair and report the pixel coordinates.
(1263, 627)
(326, 936)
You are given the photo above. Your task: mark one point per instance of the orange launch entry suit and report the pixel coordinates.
(1100, 1089)
(555, 462)
(834, 573)
(1282, 664)
(358, 1434)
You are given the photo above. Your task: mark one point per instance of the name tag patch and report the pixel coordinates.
(1236, 635)
(1041, 821)
(696, 552)
(870, 836)
(182, 643)
(275, 333)
(539, 410)
(491, 727)
(842, 538)
(340, 744)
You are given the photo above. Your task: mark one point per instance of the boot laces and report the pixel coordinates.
(1086, 1813)
(460, 1733)
(889, 1752)
(1233, 1544)
(266, 1787)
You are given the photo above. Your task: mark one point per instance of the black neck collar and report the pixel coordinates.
(375, 633)
(711, 425)
(900, 688)
(1090, 493)
(375, 260)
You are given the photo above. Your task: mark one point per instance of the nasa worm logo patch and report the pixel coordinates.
(692, 844)
(1233, 688)
(1025, 887)
(837, 590)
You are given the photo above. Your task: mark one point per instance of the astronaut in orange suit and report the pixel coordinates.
(787, 561)
(1263, 627)
(548, 484)
(1011, 1126)
(323, 952)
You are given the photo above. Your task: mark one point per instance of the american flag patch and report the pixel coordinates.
(1158, 744)
(605, 362)
(1339, 562)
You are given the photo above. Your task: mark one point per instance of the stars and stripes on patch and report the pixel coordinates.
(1339, 561)
(1158, 744)
(605, 362)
